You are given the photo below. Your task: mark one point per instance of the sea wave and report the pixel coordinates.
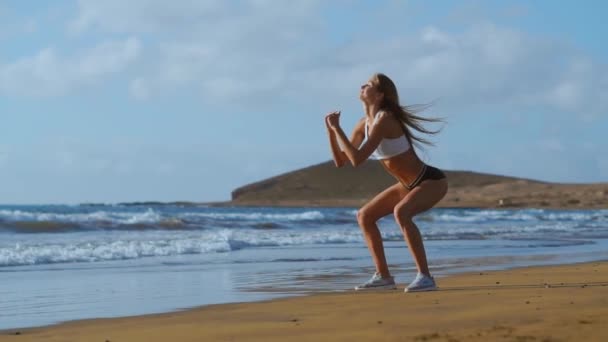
(23, 221)
(257, 216)
(132, 246)
(32, 227)
(122, 245)
(524, 215)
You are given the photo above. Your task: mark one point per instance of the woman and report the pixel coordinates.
(386, 134)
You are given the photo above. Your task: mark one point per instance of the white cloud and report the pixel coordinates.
(582, 88)
(164, 17)
(143, 15)
(228, 49)
(252, 53)
(248, 62)
(485, 65)
(48, 74)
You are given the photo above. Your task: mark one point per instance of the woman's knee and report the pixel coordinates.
(366, 218)
(403, 214)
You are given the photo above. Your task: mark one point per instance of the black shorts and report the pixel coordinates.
(428, 172)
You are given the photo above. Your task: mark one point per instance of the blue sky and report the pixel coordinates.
(111, 101)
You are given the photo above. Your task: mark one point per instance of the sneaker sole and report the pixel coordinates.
(384, 287)
(424, 289)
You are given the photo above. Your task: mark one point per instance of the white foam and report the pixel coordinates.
(100, 245)
(149, 216)
(118, 246)
(257, 216)
(527, 215)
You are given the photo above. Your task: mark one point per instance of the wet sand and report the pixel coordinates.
(548, 303)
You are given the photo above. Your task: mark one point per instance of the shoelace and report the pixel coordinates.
(375, 277)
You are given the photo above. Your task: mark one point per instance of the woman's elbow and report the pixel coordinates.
(356, 162)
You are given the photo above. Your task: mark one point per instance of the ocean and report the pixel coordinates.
(68, 262)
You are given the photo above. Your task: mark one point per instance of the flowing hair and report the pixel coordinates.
(407, 115)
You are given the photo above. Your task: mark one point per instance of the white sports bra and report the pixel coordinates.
(388, 147)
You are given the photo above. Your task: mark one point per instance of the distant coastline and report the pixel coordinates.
(324, 185)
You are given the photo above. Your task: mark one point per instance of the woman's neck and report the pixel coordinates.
(370, 110)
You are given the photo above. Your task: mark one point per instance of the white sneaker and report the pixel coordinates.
(377, 282)
(422, 283)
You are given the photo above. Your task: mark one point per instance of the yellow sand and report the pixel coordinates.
(514, 305)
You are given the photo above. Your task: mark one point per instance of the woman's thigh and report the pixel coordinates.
(383, 203)
(422, 198)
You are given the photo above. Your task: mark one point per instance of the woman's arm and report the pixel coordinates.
(336, 152)
(357, 155)
(357, 137)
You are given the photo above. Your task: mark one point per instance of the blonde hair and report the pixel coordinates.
(405, 114)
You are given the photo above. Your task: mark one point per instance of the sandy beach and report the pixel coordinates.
(547, 303)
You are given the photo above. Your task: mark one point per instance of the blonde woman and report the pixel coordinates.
(386, 134)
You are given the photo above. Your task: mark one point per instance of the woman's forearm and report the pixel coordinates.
(338, 155)
(349, 150)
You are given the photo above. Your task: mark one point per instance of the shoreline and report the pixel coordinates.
(358, 203)
(448, 203)
(575, 295)
(352, 204)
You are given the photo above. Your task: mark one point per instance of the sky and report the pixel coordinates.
(186, 100)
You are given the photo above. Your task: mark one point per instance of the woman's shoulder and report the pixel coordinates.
(388, 123)
(384, 116)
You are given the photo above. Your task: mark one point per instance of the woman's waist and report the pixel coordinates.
(406, 170)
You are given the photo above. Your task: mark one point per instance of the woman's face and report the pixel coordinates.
(369, 93)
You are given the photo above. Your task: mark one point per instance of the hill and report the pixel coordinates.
(325, 185)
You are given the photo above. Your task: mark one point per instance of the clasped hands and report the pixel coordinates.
(332, 120)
